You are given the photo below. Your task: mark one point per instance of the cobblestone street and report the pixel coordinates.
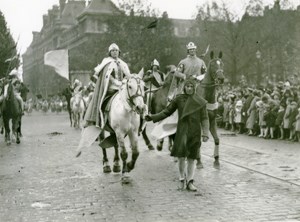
(41, 180)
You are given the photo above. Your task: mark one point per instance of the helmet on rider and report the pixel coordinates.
(155, 63)
(191, 45)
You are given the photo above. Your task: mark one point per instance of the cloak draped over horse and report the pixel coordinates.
(108, 67)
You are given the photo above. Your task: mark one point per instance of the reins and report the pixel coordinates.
(139, 92)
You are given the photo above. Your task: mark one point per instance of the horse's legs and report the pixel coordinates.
(213, 131)
(6, 131)
(171, 141)
(116, 167)
(20, 127)
(124, 154)
(16, 129)
(70, 113)
(146, 139)
(106, 166)
(79, 119)
(160, 144)
(134, 148)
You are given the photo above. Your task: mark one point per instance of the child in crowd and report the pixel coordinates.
(297, 126)
(269, 117)
(279, 122)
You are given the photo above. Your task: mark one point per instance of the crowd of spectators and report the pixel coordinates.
(270, 112)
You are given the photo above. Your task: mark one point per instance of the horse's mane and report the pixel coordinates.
(169, 75)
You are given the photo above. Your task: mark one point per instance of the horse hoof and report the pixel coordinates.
(159, 148)
(130, 166)
(18, 141)
(106, 169)
(116, 169)
(217, 164)
(199, 165)
(150, 147)
(125, 179)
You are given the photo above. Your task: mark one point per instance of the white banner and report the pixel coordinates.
(59, 60)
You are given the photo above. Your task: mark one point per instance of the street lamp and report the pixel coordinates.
(258, 56)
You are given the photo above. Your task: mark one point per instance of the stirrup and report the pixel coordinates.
(190, 186)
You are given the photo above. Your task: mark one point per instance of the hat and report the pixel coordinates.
(155, 63)
(294, 103)
(113, 46)
(191, 45)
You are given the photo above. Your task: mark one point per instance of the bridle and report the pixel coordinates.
(138, 93)
(213, 76)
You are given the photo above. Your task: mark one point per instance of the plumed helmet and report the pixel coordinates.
(155, 63)
(191, 45)
(113, 46)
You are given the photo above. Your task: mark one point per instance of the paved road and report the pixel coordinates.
(41, 180)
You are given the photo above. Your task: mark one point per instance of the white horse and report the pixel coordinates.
(77, 108)
(124, 118)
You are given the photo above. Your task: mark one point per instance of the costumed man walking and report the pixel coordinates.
(190, 67)
(153, 79)
(192, 125)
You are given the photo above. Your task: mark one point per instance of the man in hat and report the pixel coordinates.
(153, 79)
(190, 67)
(192, 126)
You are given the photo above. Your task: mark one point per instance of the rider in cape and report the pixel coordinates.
(109, 75)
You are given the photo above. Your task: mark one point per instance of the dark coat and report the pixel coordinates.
(191, 121)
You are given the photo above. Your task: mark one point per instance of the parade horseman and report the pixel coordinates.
(190, 67)
(153, 79)
(16, 82)
(107, 85)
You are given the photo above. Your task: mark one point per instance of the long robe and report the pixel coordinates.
(192, 120)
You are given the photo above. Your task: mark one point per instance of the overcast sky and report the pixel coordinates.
(25, 16)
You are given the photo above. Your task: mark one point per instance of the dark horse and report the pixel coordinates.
(11, 110)
(159, 101)
(207, 89)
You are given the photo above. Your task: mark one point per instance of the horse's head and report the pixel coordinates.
(215, 73)
(135, 88)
